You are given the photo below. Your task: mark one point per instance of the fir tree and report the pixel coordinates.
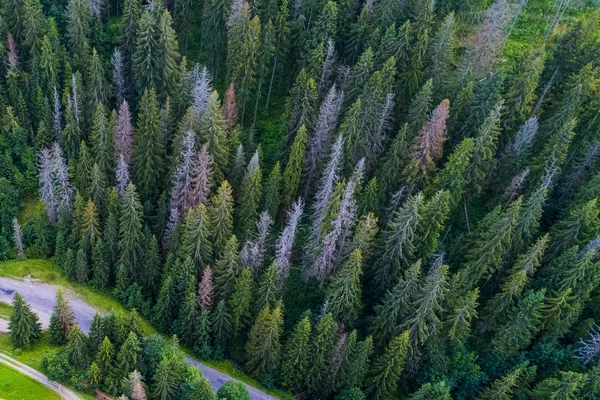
(196, 237)
(213, 130)
(267, 292)
(185, 325)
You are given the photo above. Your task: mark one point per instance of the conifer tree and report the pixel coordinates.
(165, 309)
(196, 237)
(102, 140)
(571, 230)
(263, 347)
(517, 280)
(398, 241)
(90, 227)
(130, 232)
(148, 149)
(491, 240)
(396, 305)
(272, 190)
(146, 58)
(437, 391)
(503, 387)
(434, 215)
(205, 290)
(123, 134)
(344, 299)
(185, 325)
(522, 325)
(77, 349)
(167, 48)
(386, 370)
(79, 24)
(82, 268)
(300, 107)
(293, 168)
(100, 266)
(221, 325)
(213, 131)
(241, 300)
(250, 194)
(24, 327)
(220, 215)
(135, 386)
(285, 242)
(200, 388)
(321, 349)
(227, 269)
(296, 356)
(105, 360)
(267, 292)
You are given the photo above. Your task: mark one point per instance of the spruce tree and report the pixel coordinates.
(227, 269)
(344, 299)
(267, 292)
(386, 370)
(220, 215)
(79, 24)
(321, 349)
(77, 348)
(148, 148)
(296, 356)
(146, 58)
(293, 168)
(524, 321)
(24, 327)
(249, 197)
(213, 131)
(241, 300)
(196, 237)
(130, 233)
(272, 190)
(263, 347)
(128, 357)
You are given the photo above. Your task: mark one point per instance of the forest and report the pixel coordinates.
(388, 199)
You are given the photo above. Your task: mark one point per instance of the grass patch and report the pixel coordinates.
(47, 272)
(32, 207)
(15, 386)
(32, 356)
(5, 311)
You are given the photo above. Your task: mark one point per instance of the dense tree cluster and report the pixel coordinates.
(349, 200)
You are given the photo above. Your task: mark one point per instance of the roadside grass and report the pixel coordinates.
(15, 386)
(48, 272)
(5, 311)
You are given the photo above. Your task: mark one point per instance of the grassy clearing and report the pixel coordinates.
(32, 356)
(15, 386)
(32, 207)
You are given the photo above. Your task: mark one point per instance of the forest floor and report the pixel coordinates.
(37, 281)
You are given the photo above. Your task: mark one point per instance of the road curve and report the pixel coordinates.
(41, 297)
(62, 391)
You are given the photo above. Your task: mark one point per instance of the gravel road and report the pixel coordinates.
(42, 297)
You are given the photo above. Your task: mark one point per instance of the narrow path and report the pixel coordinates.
(62, 391)
(41, 297)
